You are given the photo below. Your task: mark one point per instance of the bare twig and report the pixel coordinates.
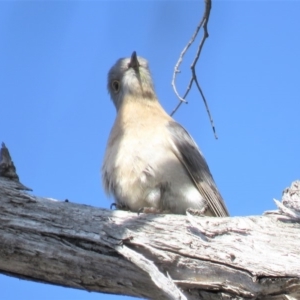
(203, 23)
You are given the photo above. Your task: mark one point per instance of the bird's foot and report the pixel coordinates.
(152, 210)
(197, 212)
(118, 206)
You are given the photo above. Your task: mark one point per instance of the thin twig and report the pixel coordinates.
(203, 23)
(176, 69)
(205, 103)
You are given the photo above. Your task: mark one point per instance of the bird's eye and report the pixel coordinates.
(115, 85)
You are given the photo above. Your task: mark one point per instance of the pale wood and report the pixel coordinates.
(150, 256)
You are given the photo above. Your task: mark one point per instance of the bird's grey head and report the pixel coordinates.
(129, 79)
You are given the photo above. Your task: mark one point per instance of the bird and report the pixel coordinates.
(151, 163)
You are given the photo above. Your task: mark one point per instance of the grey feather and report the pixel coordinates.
(191, 157)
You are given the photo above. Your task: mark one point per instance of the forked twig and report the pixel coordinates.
(203, 23)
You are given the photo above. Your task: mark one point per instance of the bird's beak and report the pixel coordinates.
(134, 63)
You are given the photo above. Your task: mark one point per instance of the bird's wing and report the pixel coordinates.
(191, 157)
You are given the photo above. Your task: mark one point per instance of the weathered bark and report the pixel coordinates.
(150, 256)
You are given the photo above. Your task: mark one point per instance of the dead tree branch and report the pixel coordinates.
(150, 256)
(203, 24)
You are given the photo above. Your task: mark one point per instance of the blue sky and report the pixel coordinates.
(56, 113)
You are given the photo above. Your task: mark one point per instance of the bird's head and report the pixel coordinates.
(129, 79)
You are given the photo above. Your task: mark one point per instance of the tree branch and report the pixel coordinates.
(150, 256)
(203, 23)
